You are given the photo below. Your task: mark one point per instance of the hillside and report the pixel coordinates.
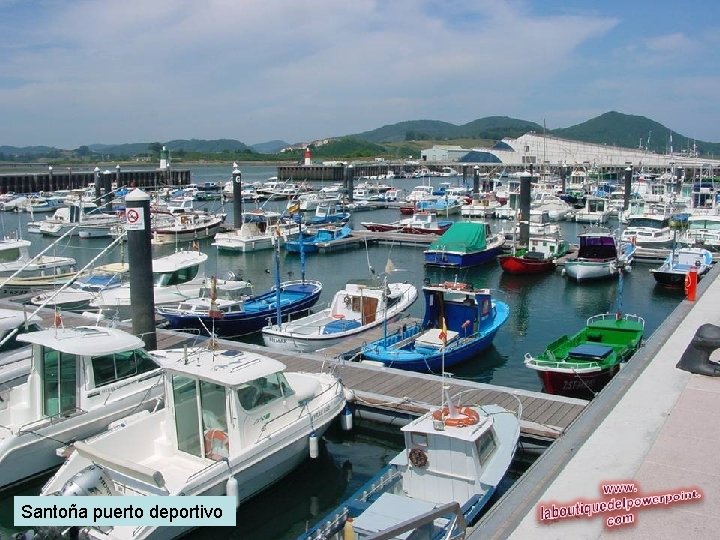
(491, 127)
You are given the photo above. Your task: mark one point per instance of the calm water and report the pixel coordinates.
(541, 309)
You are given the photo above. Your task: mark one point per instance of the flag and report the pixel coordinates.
(389, 266)
(58, 318)
(294, 207)
(443, 332)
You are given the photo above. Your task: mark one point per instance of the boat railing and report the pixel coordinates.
(614, 316)
(34, 425)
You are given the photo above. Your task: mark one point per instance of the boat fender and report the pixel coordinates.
(418, 458)
(216, 444)
(348, 530)
(466, 416)
(314, 446)
(346, 419)
(349, 395)
(232, 489)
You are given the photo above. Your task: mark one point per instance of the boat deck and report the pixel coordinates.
(388, 390)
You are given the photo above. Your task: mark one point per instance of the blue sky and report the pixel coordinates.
(76, 72)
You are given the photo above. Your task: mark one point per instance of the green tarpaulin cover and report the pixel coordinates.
(463, 236)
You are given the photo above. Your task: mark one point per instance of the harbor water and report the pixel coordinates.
(542, 308)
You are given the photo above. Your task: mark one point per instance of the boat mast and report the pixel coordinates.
(276, 251)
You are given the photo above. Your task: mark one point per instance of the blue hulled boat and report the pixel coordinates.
(465, 244)
(309, 243)
(459, 323)
(237, 316)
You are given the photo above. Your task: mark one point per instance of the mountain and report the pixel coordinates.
(33, 151)
(629, 131)
(270, 147)
(491, 127)
(178, 145)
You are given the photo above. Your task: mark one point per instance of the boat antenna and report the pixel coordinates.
(618, 313)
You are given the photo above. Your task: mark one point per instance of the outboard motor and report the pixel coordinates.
(696, 358)
(91, 481)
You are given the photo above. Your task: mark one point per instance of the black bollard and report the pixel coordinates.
(628, 188)
(237, 198)
(349, 170)
(96, 179)
(563, 178)
(142, 297)
(524, 209)
(696, 358)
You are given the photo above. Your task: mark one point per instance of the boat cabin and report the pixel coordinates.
(177, 268)
(77, 370)
(597, 246)
(464, 311)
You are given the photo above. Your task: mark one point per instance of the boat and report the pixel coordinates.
(83, 290)
(230, 314)
(673, 271)
(176, 277)
(595, 211)
(453, 460)
(186, 226)
(326, 213)
(234, 423)
(649, 231)
(80, 216)
(15, 260)
(464, 244)
(419, 223)
(258, 231)
(81, 380)
(599, 256)
(459, 323)
(15, 355)
(361, 305)
(581, 365)
(310, 243)
(539, 256)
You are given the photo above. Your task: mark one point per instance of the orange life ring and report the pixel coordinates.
(212, 438)
(467, 416)
(418, 458)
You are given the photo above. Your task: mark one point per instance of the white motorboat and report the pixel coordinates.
(176, 277)
(83, 291)
(595, 211)
(361, 305)
(600, 255)
(258, 231)
(14, 355)
(186, 226)
(15, 259)
(81, 379)
(75, 218)
(234, 423)
(453, 461)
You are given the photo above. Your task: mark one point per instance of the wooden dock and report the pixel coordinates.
(388, 390)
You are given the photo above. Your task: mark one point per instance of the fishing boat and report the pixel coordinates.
(595, 211)
(81, 380)
(581, 365)
(176, 277)
(358, 307)
(234, 423)
(311, 241)
(83, 290)
(459, 323)
(186, 226)
(538, 257)
(326, 213)
(258, 231)
(599, 256)
(453, 460)
(230, 314)
(464, 244)
(673, 271)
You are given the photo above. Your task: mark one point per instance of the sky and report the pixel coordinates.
(81, 72)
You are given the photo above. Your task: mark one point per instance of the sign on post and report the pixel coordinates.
(135, 219)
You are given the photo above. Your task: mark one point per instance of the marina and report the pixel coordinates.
(496, 376)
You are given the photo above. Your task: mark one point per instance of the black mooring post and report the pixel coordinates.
(524, 207)
(237, 198)
(628, 188)
(142, 299)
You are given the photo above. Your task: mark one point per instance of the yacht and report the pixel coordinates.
(81, 380)
(14, 354)
(234, 423)
(258, 231)
(15, 260)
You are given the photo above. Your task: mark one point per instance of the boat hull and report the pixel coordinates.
(449, 259)
(577, 385)
(589, 270)
(522, 265)
(246, 322)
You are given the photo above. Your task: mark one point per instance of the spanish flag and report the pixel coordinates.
(443, 332)
(293, 208)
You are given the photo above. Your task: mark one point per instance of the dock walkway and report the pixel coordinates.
(389, 390)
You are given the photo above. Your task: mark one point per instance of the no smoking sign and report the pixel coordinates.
(135, 219)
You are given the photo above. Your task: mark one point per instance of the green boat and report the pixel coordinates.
(582, 364)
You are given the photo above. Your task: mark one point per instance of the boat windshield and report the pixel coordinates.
(166, 279)
(262, 391)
